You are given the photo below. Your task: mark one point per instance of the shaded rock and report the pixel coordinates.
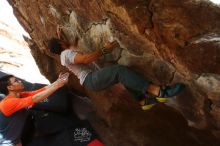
(165, 41)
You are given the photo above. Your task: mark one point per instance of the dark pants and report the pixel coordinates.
(101, 79)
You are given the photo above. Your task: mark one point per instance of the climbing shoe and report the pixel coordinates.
(149, 102)
(167, 92)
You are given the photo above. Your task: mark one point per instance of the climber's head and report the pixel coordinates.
(56, 46)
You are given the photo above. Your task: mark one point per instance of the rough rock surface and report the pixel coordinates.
(166, 41)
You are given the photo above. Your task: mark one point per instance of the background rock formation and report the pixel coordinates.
(166, 41)
(15, 56)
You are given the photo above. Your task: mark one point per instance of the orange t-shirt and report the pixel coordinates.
(10, 105)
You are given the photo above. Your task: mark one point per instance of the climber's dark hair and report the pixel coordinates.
(4, 83)
(55, 46)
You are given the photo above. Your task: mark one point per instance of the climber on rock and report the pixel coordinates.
(145, 92)
(13, 108)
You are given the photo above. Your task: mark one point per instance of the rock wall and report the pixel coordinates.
(166, 41)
